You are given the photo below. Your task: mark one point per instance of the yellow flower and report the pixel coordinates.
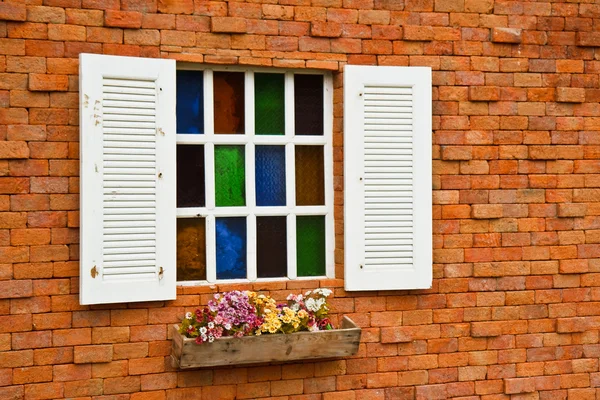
(272, 329)
(302, 314)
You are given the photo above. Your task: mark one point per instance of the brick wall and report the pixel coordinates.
(514, 312)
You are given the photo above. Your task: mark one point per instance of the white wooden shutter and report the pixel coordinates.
(387, 178)
(127, 185)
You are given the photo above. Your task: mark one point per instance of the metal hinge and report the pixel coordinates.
(160, 272)
(94, 272)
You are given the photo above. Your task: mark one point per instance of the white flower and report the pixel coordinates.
(204, 337)
(211, 338)
(290, 297)
(211, 325)
(307, 293)
(295, 307)
(326, 292)
(188, 315)
(311, 304)
(203, 330)
(314, 328)
(228, 326)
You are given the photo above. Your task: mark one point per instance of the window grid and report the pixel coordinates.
(249, 140)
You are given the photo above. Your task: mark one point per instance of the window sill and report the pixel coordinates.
(343, 342)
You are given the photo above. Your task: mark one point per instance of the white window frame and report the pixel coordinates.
(209, 139)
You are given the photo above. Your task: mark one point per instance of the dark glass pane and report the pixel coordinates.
(190, 176)
(228, 89)
(271, 247)
(269, 104)
(230, 177)
(310, 245)
(191, 249)
(308, 104)
(190, 102)
(310, 184)
(231, 247)
(270, 175)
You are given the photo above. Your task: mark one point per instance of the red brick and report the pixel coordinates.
(13, 12)
(123, 19)
(228, 25)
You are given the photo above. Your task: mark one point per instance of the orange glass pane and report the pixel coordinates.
(228, 91)
(310, 183)
(191, 249)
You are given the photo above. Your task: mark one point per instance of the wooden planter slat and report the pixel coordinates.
(186, 354)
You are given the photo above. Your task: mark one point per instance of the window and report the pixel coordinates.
(252, 153)
(254, 174)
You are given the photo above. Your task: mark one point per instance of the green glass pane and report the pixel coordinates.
(269, 104)
(191, 249)
(310, 245)
(230, 182)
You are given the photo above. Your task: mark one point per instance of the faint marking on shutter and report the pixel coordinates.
(129, 175)
(388, 176)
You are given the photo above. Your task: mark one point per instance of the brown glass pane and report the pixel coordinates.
(308, 104)
(191, 249)
(310, 184)
(228, 90)
(271, 247)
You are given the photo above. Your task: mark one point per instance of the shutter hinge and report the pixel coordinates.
(160, 272)
(94, 272)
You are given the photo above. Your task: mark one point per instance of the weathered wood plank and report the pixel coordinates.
(265, 348)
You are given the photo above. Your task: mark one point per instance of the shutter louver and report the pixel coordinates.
(387, 147)
(388, 177)
(129, 198)
(127, 179)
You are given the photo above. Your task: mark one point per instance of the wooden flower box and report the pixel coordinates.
(186, 354)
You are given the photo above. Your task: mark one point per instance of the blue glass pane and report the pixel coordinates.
(190, 102)
(270, 175)
(231, 247)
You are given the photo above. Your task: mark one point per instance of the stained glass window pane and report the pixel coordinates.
(270, 175)
(228, 92)
(231, 247)
(230, 176)
(190, 176)
(310, 183)
(308, 104)
(190, 102)
(269, 104)
(310, 245)
(271, 247)
(191, 249)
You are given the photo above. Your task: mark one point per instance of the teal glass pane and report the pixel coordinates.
(190, 102)
(230, 176)
(190, 175)
(230, 235)
(308, 104)
(270, 175)
(310, 245)
(271, 247)
(269, 104)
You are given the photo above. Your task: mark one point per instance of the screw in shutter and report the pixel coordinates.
(160, 273)
(94, 272)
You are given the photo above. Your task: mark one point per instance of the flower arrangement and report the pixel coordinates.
(247, 313)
